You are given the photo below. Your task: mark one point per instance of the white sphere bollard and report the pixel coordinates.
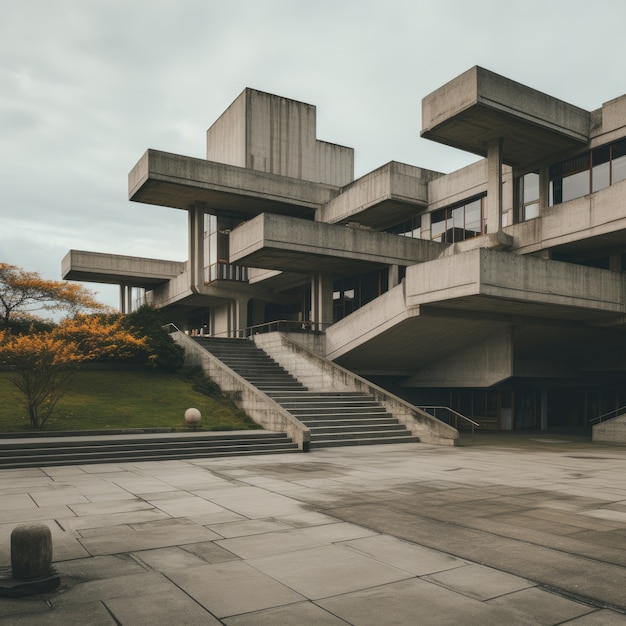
(192, 417)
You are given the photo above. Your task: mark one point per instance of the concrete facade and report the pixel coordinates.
(497, 290)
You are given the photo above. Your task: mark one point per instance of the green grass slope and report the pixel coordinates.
(118, 399)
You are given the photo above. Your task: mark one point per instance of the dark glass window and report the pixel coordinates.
(409, 228)
(529, 196)
(459, 222)
(588, 172)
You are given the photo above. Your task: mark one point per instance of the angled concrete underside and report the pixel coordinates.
(284, 243)
(97, 267)
(480, 317)
(480, 105)
(385, 197)
(181, 182)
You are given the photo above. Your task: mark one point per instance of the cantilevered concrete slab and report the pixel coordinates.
(283, 243)
(480, 105)
(385, 197)
(96, 267)
(455, 312)
(177, 181)
(496, 282)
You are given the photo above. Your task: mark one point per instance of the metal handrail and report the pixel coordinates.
(452, 412)
(614, 413)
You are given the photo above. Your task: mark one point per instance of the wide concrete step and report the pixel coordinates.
(338, 412)
(354, 429)
(336, 403)
(360, 441)
(354, 422)
(41, 452)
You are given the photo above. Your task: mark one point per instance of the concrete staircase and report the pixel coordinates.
(89, 449)
(334, 418)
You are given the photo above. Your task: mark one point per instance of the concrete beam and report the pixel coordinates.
(479, 105)
(179, 182)
(284, 243)
(500, 282)
(385, 197)
(96, 267)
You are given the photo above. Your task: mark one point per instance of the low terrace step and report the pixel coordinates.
(47, 451)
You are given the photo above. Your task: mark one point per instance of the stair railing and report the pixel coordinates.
(452, 415)
(609, 415)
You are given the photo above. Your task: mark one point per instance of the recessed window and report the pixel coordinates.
(588, 173)
(529, 196)
(459, 222)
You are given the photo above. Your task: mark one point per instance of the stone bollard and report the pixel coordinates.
(31, 570)
(31, 551)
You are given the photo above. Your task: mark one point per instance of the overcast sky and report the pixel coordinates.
(86, 86)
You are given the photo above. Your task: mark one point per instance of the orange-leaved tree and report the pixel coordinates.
(41, 365)
(101, 337)
(24, 293)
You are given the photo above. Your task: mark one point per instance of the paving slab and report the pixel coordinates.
(298, 613)
(544, 607)
(252, 546)
(92, 613)
(417, 601)
(172, 607)
(130, 540)
(478, 581)
(233, 588)
(404, 555)
(327, 571)
(166, 559)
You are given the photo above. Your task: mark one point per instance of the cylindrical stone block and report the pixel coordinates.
(31, 551)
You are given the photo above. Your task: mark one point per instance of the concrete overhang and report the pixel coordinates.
(487, 281)
(97, 267)
(180, 182)
(385, 197)
(284, 243)
(480, 105)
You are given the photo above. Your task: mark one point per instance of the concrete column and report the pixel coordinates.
(394, 276)
(126, 298)
(425, 229)
(494, 185)
(122, 299)
(238, 318)
(544, 189)
(196, 245)
(321, 300)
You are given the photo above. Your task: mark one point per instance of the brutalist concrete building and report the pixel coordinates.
(496, 290)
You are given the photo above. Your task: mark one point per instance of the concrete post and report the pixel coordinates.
(544, 189)
(494, 185)
(31, 551)
(394, 276)
(196, 246)
(321, 300)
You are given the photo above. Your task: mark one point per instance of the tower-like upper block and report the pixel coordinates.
(268, 133)
(480, 105)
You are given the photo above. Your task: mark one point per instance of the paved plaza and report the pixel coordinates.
(507, 531)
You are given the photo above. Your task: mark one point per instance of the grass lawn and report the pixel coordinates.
(117, 399)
